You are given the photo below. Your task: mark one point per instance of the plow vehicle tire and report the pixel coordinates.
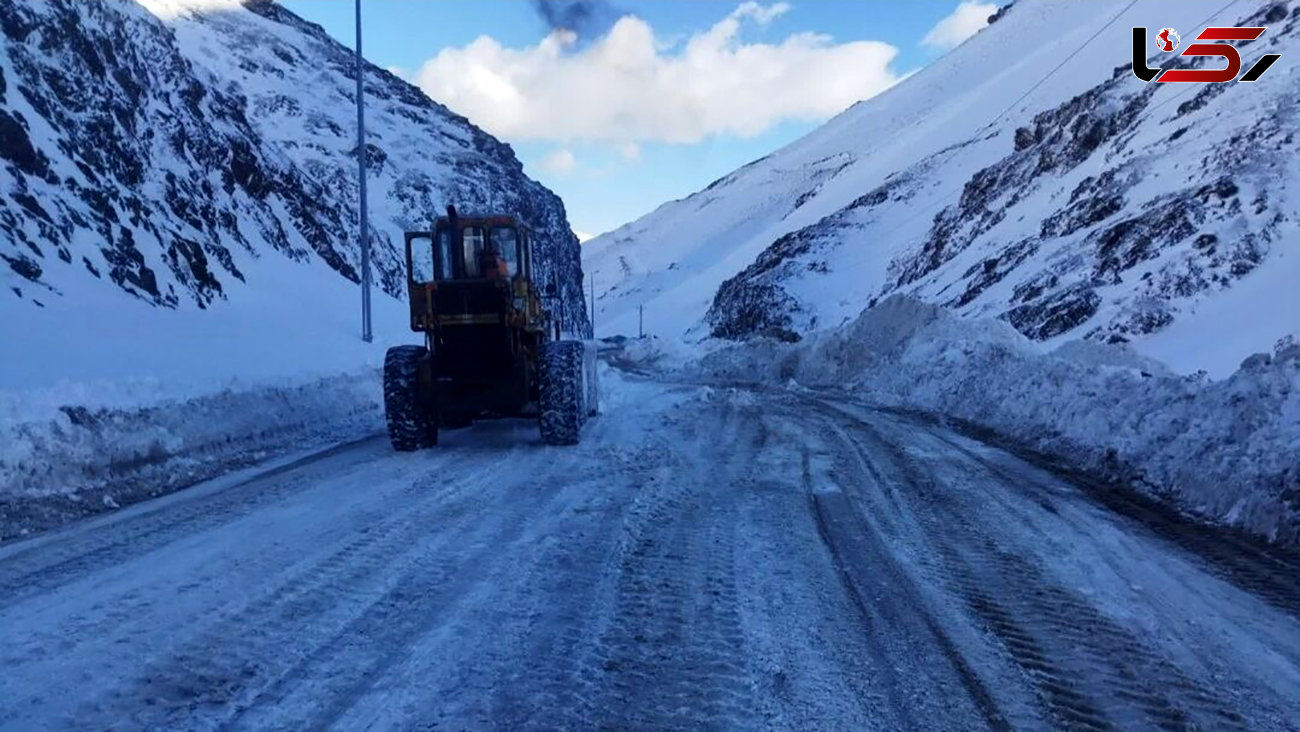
(560, 407)
(412, 425)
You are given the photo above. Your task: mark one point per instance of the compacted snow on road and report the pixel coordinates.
(709, 556)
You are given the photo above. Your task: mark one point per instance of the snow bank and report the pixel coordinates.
(648, 354)
(1222, 450)
(107, 401)
(61, 460)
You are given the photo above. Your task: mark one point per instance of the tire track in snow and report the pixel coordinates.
(811, 664)
(324, 687)
(227, 663)
(1090, 672)
(1271, 573)
(889, 604)
(673, 654)
(55, 559)
(575, 592)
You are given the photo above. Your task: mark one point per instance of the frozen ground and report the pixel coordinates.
(1223, 450)
(709, 556)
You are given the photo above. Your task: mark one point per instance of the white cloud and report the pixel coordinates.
(583, 237)
(560, 162)
(967, 20)
(630, 86)
(762, 14)
(629, 151)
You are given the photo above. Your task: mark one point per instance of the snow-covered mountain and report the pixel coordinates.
(1027, 175)
(201, 154)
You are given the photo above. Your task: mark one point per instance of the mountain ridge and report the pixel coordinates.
(170, 154)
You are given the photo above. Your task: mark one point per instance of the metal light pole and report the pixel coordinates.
(366, 334)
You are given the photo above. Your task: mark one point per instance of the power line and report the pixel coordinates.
(1061, 65)
(944, 198)
(1185, 91)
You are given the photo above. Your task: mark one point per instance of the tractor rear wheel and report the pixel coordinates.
(412, 425)
(560, 408)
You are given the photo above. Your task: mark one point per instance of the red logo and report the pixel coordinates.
(1167, 40)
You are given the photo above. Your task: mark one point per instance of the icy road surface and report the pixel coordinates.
(708, 557)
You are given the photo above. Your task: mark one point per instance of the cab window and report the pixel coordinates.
(443, 254)
(474, 242)
(505, 241)
(421, 259)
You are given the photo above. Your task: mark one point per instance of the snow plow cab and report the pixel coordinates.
(491, 349)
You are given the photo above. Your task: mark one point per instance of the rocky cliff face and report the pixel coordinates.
(175, 149)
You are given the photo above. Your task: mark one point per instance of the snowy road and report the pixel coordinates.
(707, 557)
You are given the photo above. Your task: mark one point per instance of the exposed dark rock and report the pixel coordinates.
(1059, 140)
(1095, 199)
(246, 170)
(1142, 323)
(1256, 362)
(15, 22)
(32, 207)
(753, 303)
(744, 308)
(23, 266)
(1001, 13)
(17, 148)
(990, 271)
(188, 262)
(1025, 138)
(375, 157)
(1056, 314)
(127, 267)
(1201, 98)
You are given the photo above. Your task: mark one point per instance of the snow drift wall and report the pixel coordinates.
(1221, 450)
(61, 461)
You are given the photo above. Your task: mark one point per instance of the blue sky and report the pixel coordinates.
(624, 115)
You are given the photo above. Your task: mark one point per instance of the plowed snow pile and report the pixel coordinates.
(1222, 450)
(60, 462)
